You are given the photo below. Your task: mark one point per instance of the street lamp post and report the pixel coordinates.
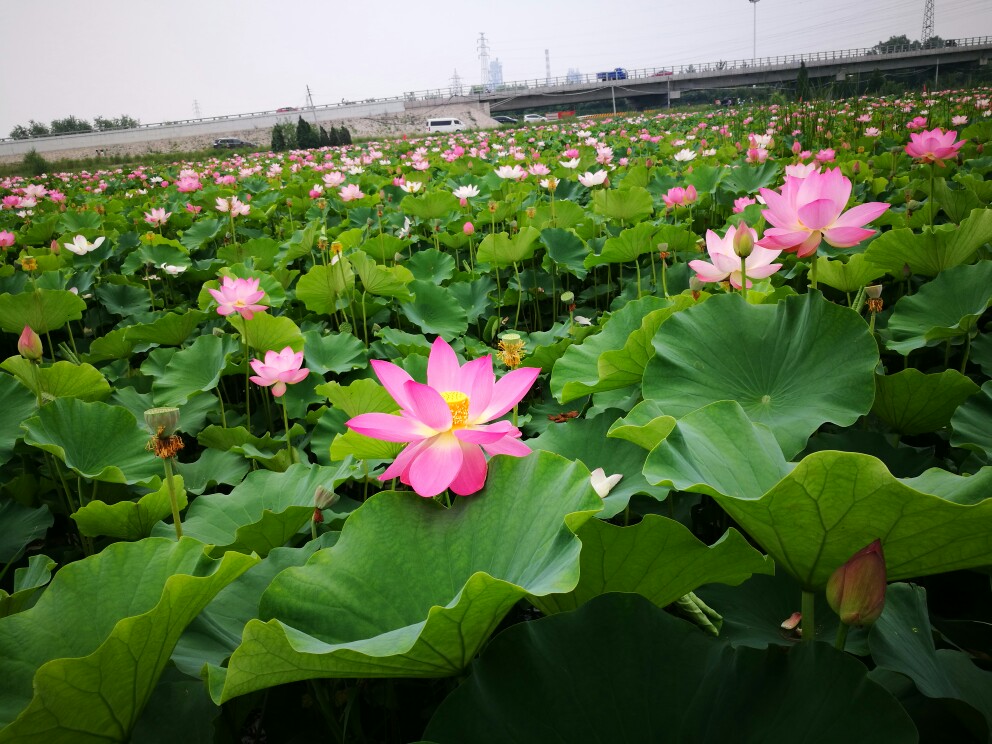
(754, 39)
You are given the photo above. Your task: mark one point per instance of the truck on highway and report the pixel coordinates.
(618, 73)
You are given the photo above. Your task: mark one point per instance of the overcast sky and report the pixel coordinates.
(152, 60)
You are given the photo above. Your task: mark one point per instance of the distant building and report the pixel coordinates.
(495, 74)
(573, 76)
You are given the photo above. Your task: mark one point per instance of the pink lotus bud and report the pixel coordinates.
(796, 148)
(6, 239)
(690, 194)
(55, 247)
(856, 590)
(468, 228)
(29, 344)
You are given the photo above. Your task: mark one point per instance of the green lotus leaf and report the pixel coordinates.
(97, 440)
(677, 240)
(333, 352)
(202, 231)
(78, 221)
(320, 288)
(115, 345)
(129, 520)
(17, 404)
(657, 558)
(660, 679)
(501, 250)
(179, 709)
(435, 310)
(172, 329)
(380, 280)
(585, 440)
(266, 332)
(22, 525)
(981, 352)
(474, 296)
(127, 607)
(431, 206)
(628, 246)
(564, 214)
(123, 299)
(748, 179)
(60, 380)
(259, 253)
(970, 422)
(566, 250)
(383, 248)
(261, 513)
(28, 582)
(215, 467)
(645, 425)
(361, 447)
(361, 396)
(391, 612)
(849, 276)
(194, 369)
(932, 250)
(192, 414)
(431, 266)
(706, 178)
(577, 372)
(43, 310)
(624, 205)
(902, 641)
(830, 505)
(780, 362)
(947, 307)
(216, 632)
(915, 403)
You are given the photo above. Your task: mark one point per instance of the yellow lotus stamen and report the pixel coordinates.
(458, 405)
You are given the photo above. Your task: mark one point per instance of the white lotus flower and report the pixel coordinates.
(684, 156)
(603, 483)
(81, 246)
(589, 180)
(466, 192)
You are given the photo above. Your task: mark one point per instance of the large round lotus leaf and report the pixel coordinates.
(194, 369)
(435, 310)
(566, 251)
(60, 380)
(130, 520)
(500, 249)
(931, 250)
(657, 558)
(832, 504)
(265, 332)
(972, 422)
(791, 366)
(914, 403)
(43, 310)
(424, 606)
(947, 307)
(79, 666)
(333, 352)
(22, 525)
(902, 641)
(847, 276)
(383, 281)
(627, 206)
(431, 266)
(320, 288)
(169, 330)
(585, 440)
(97, 440)
(628, 246)
(17, 404)
(981, 352)
(659, 679)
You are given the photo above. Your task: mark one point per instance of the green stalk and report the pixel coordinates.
(812, 273)
(744, 278)
(177, 522)
(289, 444)
(809, 619)
(841, 636)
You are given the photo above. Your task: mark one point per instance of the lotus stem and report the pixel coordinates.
(841, 636)
(170, 483)
(744, 278)
(289, 442)
(812, 273)
(809, 617)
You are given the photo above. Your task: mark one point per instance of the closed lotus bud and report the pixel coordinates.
(743, 241)
(162, 421)
(468, 228)
(29, 344)
(567, 297)
(856, 590)
(324, 499)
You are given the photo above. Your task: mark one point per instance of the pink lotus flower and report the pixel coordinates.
(233, 205)
(918, 122)
(6, 239)
(157, 217)
(742, 203)
(959, 121)
(828, 155)
(444, 421)
(511, 172)
(726, 264)
(238, 296)
(350, 193)
(811, 209)
(186, 184)
(193, 208)
(934, 146)
(279, 369)
(680, 197)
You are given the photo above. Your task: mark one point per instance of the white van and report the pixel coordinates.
(445, 125)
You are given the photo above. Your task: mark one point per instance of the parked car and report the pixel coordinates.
(617, 73)
(505, 119)
(286, 108)
(445, 125)
(663, 73)
(230, 143)
(535, 117)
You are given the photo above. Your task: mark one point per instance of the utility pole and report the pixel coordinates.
(483, 48)
(547, 67)
(613, 95)
(313, 109)
(456, 84)
(754, 33)
(196, 108)
(927, 23)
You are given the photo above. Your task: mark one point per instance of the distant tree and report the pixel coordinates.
(344, 136)
(20, 132)
(34, 164)
(902, 40)
(333, 137)
(278, 139)
(306, 138)
(324, 138)
(936, 42)
(802, 83)
(37, 129)
(876, 81)
(70, 124)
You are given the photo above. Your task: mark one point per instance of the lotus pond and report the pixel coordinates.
(659, 427)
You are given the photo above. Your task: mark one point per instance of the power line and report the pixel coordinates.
(927, 22)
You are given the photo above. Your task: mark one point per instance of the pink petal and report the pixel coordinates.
(818, 214)
(777, 238)
(393, 378)
(427, 405)
(389, 428)
(763, 272)
(707, 272)
(262, 381)
(509, 390)
(437, 465)
(401, 465)
(846, 237)
(508, 445)
(279, 389)
(443, 370)
(809, 245)
(477, 382)
(486, 433)
(860, 215)
(472, 475)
